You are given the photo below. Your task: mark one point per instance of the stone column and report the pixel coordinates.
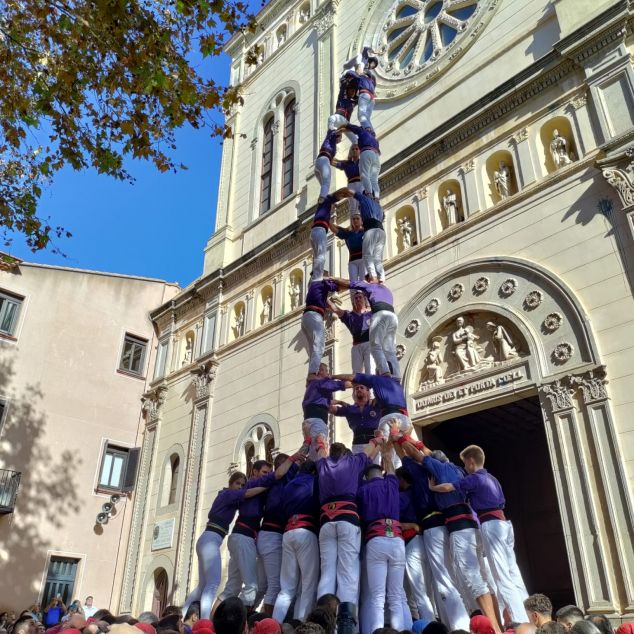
(249, 312)
(589, 563)
(278, 141)
(223, 326)
(472, 201)
(611, 475)
(324, 59)
(278, 294)
(578, 111)
(203, 378)
(152, 406)
(423, 225)
(307, 268)
(523, 160)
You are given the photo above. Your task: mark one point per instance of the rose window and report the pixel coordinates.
(418, 31)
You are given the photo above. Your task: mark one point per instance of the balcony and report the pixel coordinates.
(9, 483)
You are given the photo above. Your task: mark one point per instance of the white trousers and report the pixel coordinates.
(384, 427)
(300, 567)
(314, 427)
(313, 329)
(450, 606)
(414, 570)
(242, 575)
(319, 245)
(372, 248)
(369, 169)
(466, 551)
(362, 359)
(323, 171)
(339, 545)
(337, 120)
(383, 342)
(361, 449)
(356, 270)
(353, 203)
(269, 544)
(209, 573)
(385, 561)
(365, 108)
(498, 541)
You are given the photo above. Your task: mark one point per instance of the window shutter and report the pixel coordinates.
(129, 478)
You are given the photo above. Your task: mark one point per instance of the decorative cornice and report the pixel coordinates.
(559, 395)
(618, 170)
(152, 402)
(203, 378)
(591, 384)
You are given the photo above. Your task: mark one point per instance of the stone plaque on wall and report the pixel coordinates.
(163, 534)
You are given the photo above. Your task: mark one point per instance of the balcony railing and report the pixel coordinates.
(9, 483)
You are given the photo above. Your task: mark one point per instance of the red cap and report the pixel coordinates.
(146, 627)
(267, 626)
(203, 624)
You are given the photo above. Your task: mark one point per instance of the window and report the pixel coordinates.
(60, 579)
(175, 463)
(288, 154)
(267, 167)
(9, 311)
(133, 356)
(209, 329)
(118, 468)
(3, 409)
(161, 359)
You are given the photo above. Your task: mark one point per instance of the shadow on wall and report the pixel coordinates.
(47, 494)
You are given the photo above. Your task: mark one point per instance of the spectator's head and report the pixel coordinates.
(169, 622)
(93, 628)
(260, 468)
(88, 601)
(123, 628)
(435, 627)
(473, 458)
(25, 625)
(287, 628)
(602, 622)
(551, 627)
(439, 455)
(419, 625)
(76, 622)
(193, 614)
(329, 602)
(626, 628)
(568, 616)
(126, 618)
(147, 617)
(337, 449)
(106, 615)
(481, 625)
(203, 624)
(230, 617)
(267, 626)
(324, 617)
(385, 630)
(253, 618)
(539, 609)
(309, 628)
(171, 609)
(584, 627)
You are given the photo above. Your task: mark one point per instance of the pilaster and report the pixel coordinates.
(523, 158)
(472, 200)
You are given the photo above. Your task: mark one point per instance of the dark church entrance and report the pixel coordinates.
(514, 441)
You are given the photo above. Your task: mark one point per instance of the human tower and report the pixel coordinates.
(391, 528)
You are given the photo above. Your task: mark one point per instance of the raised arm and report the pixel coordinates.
(335, 309)
(442, 488)
(251, 493)
(344, 377)
(373, 447)
(340, 282)
(298, 456)
(386, 458)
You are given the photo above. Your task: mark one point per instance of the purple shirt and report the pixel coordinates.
(365, 82)
(274, 504)
(376, 293)
(423, 498)
(318, 293)
(367, 140)
(339, 479)
(251, 509)
(482, 489)
(445, 473)
(301, 496)
(319, 391)
(370, 210)
(408, 509)
(378, 499)
(351, 170)
(388, 391)
(225, 505)
(354, 242)
(363, 421)
(323, 213)
(358, 324)
(329, 146)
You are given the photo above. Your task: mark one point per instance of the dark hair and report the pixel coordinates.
(584, 627)
(231, 616)
(192, 610)
(551, 627)
(236, 475)
(258, 464)
(309, 467)
(337, 449)
(435, 628)
(171, 609)
(125, 618)
(324, 617)
(539, 603)
(21, 623)
(385, 630)
(103, 615)
(465, 631)
(570, 613)
(602, 622)
(309, 628)
(254, 618)
(89, 597)
(279, 459)
(150, 617)
(329, 601)
(404, 474)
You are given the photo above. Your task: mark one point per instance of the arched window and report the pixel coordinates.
(175, 463)
(267, 167)
(288, 149)
(249, 457)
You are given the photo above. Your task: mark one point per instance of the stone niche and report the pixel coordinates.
(467, 344)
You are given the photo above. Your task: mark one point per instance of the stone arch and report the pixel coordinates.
(157, 566)
(294, 296)
(257, 433)
(490, 167)
(166, 484)
(238, 324)
(265, 306)
(563, 125)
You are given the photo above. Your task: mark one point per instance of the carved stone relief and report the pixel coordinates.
(480, 285)
(152, 401)
(619, 172)
(203, 378)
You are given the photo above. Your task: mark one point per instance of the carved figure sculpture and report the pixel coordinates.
(267, 310)
(502, 342)
(405, 229)
(502, 180)
(189, 349)
(281, 37)
(465, 348)
(450, 205)
(304, 14)
(295, 292)
(559, 150)
(433, 371)
(238, 326)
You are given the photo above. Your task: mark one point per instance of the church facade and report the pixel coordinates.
(507, 139)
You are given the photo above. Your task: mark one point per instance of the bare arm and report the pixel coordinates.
(386, 458)
(282, 470)
(340, 282)
(334, 308)
(344, 377)
(251, 493)
(442, 488)
(372, 448)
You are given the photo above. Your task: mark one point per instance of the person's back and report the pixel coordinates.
(230, 617)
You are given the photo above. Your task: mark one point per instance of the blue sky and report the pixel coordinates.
(156, 227)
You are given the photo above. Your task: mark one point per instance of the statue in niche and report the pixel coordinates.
(450, 205)
(304, 14)
(433, 372)
(238, 327)
(559, 150)
(295, 292)
(502, 180)
(465, 346)
(189, 349)
(267, 310)
(281, 37)
(502, 342)
(405, 229)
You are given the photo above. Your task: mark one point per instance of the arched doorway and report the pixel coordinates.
(159, 596)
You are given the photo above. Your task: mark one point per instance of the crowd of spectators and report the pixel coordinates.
(232, 617)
